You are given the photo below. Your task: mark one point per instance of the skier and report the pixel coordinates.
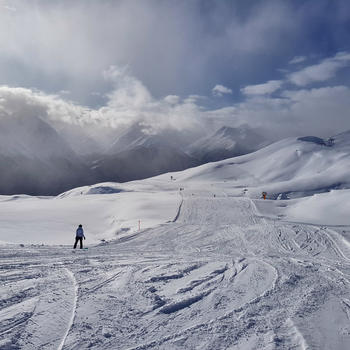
(79, 236)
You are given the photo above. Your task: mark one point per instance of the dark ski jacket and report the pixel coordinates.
(80, 232)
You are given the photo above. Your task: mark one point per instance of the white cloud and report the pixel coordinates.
(9, 8)
(323, 71)
(8, 5)
(172, 99)
(262, 89)
(297, 59)
(219, 90)
(195, 99)
(320, 112)
(64, 92)
(128, 103)
(128, 92)
(80, 123)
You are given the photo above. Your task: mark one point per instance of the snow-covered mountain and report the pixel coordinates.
(43, 158)
(199, 261)
(225, 143)
(293, 166)
(137, 135)
(136, 154)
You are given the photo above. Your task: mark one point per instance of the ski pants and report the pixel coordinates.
(76, 241)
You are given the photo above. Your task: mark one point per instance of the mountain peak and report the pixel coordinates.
(227, 142)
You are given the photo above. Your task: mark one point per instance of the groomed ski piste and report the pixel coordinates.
(196, 261)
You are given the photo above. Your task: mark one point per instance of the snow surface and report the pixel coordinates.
(53, 220)
(213, 266)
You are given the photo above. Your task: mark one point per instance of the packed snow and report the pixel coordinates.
(187, 260)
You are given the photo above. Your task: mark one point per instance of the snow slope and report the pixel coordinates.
(105, 210)
(290, 166)
(213, 266)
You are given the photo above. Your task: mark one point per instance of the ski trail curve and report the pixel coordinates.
(179, 209)
(70, 323)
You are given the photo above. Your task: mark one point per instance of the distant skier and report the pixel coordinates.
(79, 236)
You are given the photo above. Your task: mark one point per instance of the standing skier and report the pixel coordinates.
(79, 236)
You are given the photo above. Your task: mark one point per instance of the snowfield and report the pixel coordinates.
(213, 266)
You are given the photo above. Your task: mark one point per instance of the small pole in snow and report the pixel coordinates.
(139, 225)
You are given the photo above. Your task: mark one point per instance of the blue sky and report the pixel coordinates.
(266, 63)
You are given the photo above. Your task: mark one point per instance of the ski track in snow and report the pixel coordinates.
(219, 276)
(74, 282)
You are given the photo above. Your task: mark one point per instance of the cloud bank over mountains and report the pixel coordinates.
(92, 73)
(285, 107)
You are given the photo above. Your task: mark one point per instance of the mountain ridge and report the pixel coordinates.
(37, 159)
